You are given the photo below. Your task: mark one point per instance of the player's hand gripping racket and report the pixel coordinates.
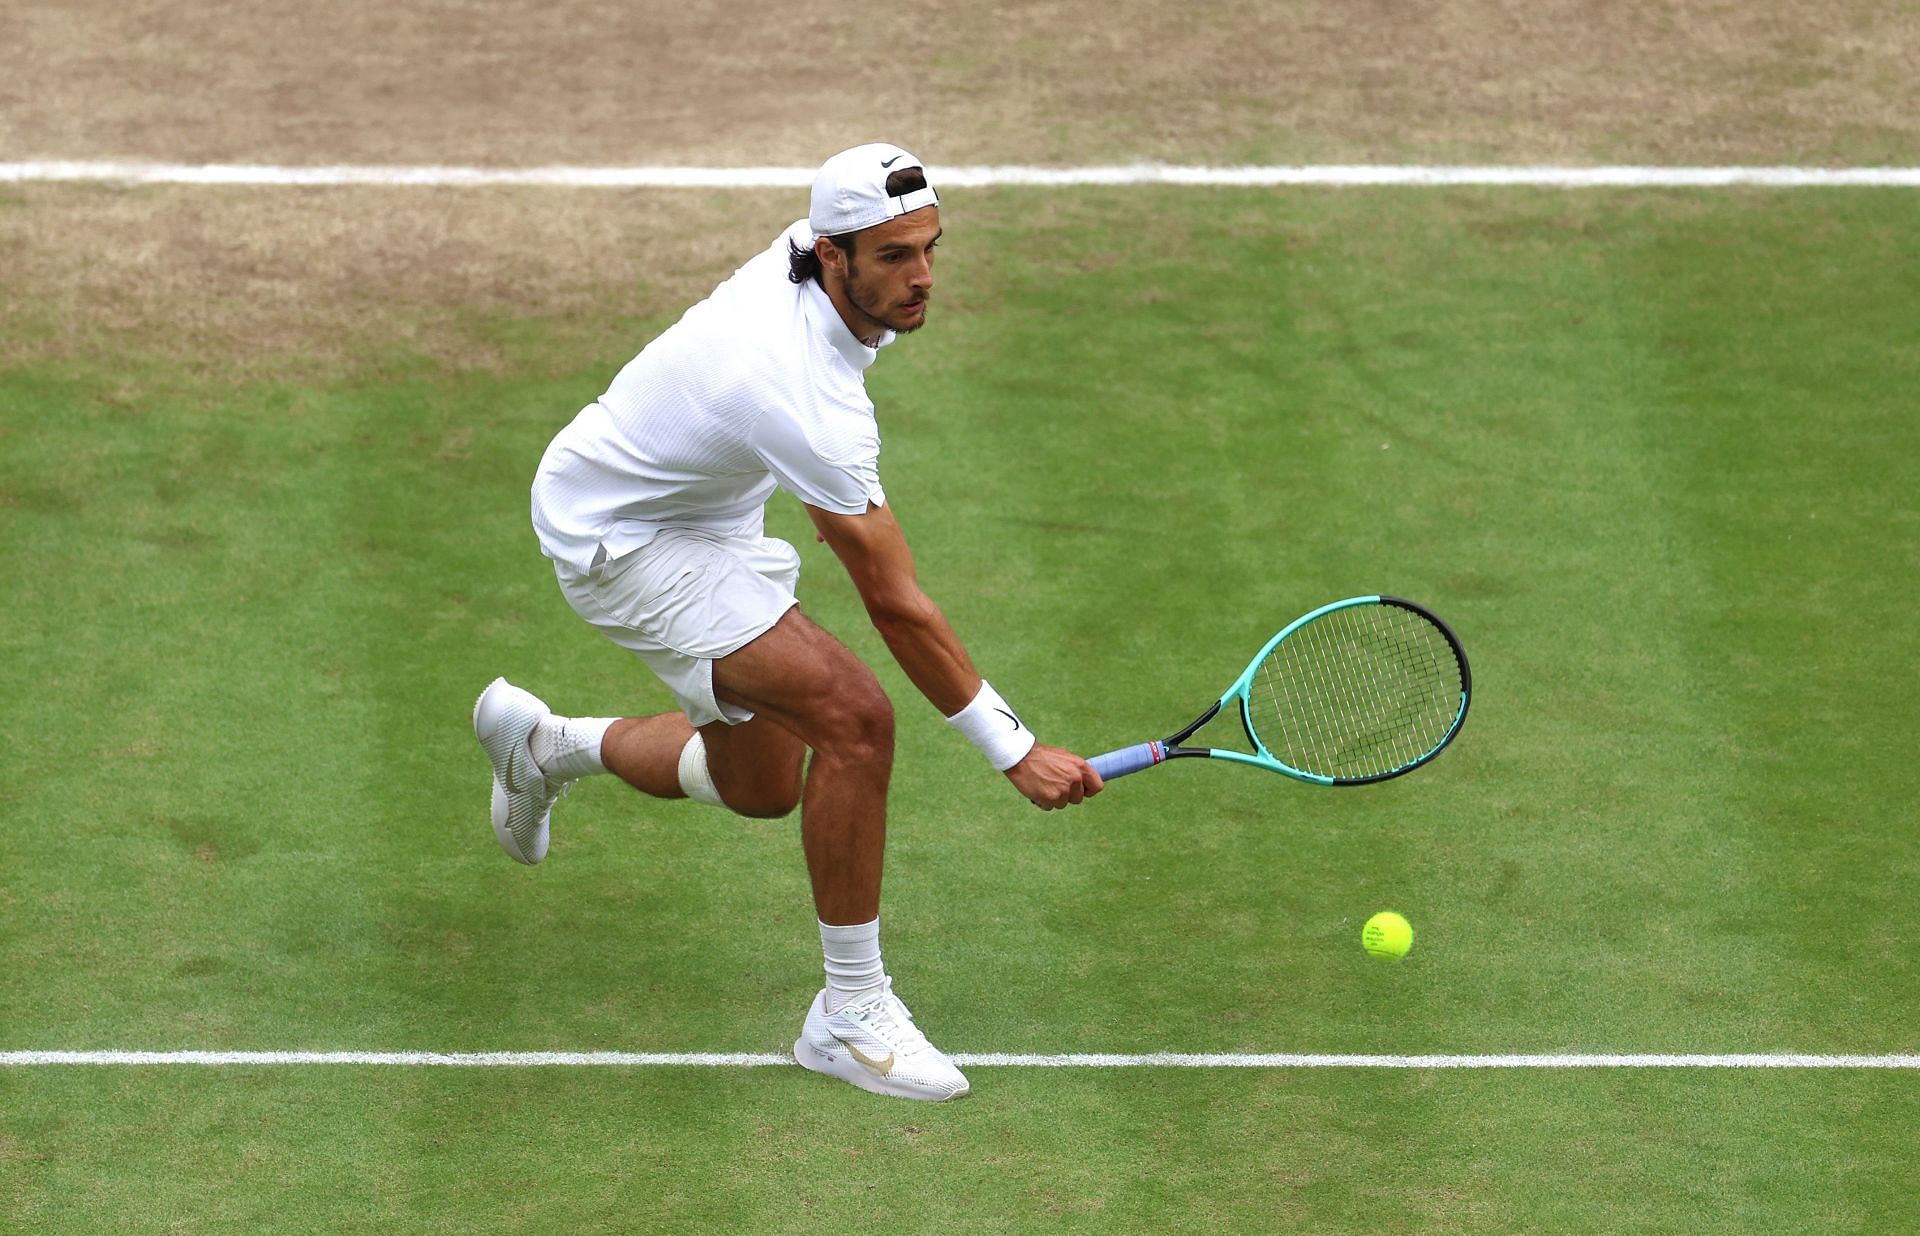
(1357, 691)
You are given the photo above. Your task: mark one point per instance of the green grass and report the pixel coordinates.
(1652, 454)
(779, 1151)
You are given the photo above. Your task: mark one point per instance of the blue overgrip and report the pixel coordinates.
(1128, 760)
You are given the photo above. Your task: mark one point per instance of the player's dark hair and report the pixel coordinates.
(804, 264)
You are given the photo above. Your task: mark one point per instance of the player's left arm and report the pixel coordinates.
(873, 549)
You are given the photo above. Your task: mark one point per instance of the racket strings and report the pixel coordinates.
(1359, 692)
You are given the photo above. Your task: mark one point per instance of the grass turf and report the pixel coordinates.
(1651, 453)
(779, 1151)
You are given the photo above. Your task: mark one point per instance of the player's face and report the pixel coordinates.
(889, 278)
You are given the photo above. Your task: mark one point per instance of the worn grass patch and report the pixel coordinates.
(594, 81)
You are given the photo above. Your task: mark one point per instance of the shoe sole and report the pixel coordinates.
(847, 1069)
(499, 742)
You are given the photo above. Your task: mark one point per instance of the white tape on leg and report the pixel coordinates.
(695, 778)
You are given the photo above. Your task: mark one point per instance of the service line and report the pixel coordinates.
(1149, 1060)
(434, 176)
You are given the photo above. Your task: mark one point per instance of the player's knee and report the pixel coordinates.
(858, 725)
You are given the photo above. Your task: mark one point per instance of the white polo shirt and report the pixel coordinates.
(759, 385)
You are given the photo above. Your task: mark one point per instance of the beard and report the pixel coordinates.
(871, 308)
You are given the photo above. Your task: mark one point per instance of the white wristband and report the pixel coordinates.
(991, 726)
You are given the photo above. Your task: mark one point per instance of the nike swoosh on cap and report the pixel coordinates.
(885, 163)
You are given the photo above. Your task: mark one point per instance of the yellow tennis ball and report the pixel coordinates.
(1387, 936)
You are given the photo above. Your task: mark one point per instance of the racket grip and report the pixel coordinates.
(1128, 760)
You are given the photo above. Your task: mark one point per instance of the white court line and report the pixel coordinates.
(130, 172)
(1164, 1060)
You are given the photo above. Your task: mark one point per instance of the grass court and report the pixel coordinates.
(1652, 453)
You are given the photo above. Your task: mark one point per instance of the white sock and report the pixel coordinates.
(567, 748)
(696, 781)
(853, 961)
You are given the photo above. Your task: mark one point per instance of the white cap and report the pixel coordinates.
(850, 190)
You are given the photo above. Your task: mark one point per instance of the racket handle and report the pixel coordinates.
(1128, 760)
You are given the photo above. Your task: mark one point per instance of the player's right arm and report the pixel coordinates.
(873, 549)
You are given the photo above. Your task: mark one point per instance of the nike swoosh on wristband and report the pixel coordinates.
(890, 162)
(882, 1068)
(1009, 716)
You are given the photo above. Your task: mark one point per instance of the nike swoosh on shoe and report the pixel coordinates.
(511, 775)
(881, 1068)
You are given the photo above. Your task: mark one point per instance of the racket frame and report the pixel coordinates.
(1169, 748)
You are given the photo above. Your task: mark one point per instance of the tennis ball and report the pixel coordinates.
(1387, 936)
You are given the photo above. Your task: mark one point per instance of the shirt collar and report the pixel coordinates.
(827, 320)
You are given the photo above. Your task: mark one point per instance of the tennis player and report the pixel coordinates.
(651, 504)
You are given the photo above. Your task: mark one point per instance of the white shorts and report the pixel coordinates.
(684, 600)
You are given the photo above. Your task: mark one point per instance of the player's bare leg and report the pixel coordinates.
(644, 752)
(755, 767)
(801, 678)
(758, 767)
(809, 685)
(807, 691)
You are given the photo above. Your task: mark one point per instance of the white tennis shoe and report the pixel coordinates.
(874, 1044)
(523, 796)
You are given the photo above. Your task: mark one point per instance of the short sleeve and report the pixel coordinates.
(834, 465)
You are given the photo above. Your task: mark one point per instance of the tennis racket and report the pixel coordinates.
(1357, 691)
